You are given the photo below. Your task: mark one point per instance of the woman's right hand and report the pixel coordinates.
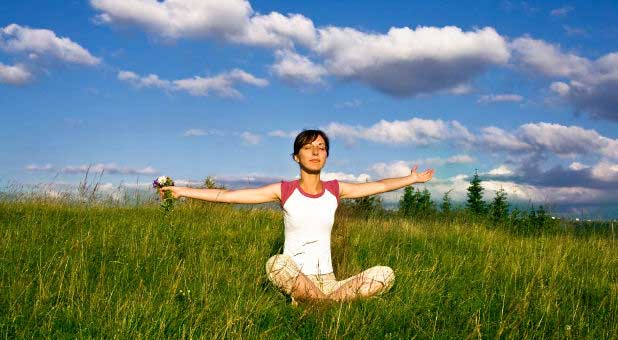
(174, 190)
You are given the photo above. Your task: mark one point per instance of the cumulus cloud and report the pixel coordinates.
(406, 62)
(277, 30)
(342, 176)
(403, 62)
(497, 98)
(14, 75)
(402, 168)
(176, 18)
(560, 140)
(502, 170)
(297, 69)
(595, 92)
(588, 85)
(222, 84)
(605, 171)
(231, 20)
(541, 57)
(414, 131)
(42, 42)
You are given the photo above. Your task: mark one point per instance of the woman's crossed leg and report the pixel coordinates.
(286, 275)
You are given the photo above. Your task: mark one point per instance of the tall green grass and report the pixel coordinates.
(89, 270)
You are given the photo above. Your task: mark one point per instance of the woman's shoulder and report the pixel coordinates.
(332, 186)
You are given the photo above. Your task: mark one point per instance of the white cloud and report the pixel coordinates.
(562, 11)
(276, 29)
(109, 168)
(539, 56)
(497, 139)
(393, 169)
(414, 131)
(605, 171)
(284, 134)
(590, 85)
(407, 62)
(402, 62)
(402, 168)
(594, 91)
(151, 80)
(177, 18)
(42, 42)
(341, 176)
(502, 170)
(250, 138)
(576, 166)
(195, 132)
(230, 20)
(297, 69)
(496, 98)
(14, 75)
(34, 167)
(560, 139)
(222, 84)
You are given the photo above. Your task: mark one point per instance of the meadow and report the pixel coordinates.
(96, 270)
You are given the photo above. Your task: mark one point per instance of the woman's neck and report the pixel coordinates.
(310, 183)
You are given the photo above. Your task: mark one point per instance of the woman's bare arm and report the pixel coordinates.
(267, 193)
(356, 190)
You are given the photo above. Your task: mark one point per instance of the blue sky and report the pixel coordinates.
(521, 91)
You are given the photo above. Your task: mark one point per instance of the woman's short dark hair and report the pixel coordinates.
(307, 137)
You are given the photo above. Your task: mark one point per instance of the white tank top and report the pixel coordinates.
(308, 223)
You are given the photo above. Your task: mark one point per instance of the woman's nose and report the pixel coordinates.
(315, 150)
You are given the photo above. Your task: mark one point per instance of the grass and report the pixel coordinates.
(97, 271)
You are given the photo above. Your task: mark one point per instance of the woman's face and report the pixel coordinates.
(312, 157)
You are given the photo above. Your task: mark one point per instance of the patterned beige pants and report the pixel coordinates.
(283, 272)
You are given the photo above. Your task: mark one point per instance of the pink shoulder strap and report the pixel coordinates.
(333, 188)
(287, 188)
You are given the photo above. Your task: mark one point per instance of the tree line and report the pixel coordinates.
(418, 204)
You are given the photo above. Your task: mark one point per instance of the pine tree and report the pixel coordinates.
(407, 202)
(475, 196)
(446, 205)
(426, 206)
(499, 208)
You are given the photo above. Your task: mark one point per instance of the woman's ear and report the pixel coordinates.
(296, 159)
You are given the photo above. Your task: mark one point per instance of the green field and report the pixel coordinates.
(96, 271)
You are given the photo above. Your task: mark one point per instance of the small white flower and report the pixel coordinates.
(161, 180)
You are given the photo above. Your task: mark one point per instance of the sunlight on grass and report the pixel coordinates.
(91, 270)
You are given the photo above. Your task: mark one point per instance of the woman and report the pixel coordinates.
(304, 270)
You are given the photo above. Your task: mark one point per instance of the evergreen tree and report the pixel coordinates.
(475, 196)
(499, 208)
(407, 202)
(426, 206)
(446, 205)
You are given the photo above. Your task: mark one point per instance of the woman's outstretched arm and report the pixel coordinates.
(355, 190)
(267, 193)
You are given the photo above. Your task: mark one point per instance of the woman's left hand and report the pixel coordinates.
(421, 177)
